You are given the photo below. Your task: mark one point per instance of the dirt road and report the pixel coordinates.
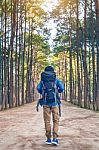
(23, 129)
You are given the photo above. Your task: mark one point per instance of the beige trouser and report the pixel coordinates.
(47, 117)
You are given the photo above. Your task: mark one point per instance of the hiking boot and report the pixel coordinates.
(55, 141)
(48, 141)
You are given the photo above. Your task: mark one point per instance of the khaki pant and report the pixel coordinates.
(47, 118)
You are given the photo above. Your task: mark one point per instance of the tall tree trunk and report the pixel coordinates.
(93, 54)
(97, 44)
(13, 26)
(75, 76)
(24, 59)
(5, 60)
(2, 62)
(16, 58)
(8, 66)
(1, 59)
(65, 91)
(78, 66)
(70, 55)
(71, 78)
(31, 61)
(84, 60)
(89, 84)
(27, 74)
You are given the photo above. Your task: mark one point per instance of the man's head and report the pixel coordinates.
(49, 68)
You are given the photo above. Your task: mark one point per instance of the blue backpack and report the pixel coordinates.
(49, 91)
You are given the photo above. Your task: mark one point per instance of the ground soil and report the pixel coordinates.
(22, 128)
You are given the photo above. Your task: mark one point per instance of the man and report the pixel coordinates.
(49, 87)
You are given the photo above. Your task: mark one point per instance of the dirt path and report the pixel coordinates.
(23, 129)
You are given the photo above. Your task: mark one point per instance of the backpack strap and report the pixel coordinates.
(55, 86)
(43, 92)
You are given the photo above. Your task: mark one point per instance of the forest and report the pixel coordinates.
(25, 50)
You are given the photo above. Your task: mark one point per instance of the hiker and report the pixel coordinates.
(49, 87)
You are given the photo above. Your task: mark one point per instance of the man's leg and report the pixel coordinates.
(55, 114)
(47, 117)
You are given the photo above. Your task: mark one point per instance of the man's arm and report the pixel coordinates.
(39, 87)
(60, 86)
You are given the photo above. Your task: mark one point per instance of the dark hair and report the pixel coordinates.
(49, 68)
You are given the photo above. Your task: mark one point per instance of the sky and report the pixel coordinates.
(48, 6)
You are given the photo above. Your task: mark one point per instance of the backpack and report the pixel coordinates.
(49, 93)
